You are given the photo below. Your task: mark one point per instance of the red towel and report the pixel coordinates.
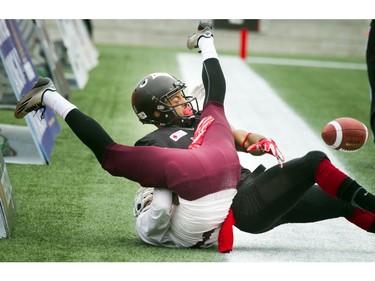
(225, 240)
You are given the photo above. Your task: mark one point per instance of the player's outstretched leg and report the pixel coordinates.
(212, 74)
(87, 129)
(337, 184)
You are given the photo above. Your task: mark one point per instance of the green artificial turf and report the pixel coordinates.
(72, 210)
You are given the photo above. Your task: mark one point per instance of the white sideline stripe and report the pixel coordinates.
(252, 105)
(307, 63)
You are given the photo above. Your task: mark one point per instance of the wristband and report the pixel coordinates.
(245, 139)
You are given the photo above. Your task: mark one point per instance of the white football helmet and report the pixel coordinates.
(142, 200)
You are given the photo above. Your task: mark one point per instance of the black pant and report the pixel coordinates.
(285, 195)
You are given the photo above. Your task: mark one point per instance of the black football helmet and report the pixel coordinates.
(150, 101)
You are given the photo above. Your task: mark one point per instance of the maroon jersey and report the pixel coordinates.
(191, 174)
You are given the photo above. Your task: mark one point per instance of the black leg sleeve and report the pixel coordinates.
(89, 132)
(316, 205)
(213, 81)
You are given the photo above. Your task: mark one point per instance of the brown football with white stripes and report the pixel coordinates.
(345, 134)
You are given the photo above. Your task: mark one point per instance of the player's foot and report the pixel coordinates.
(33, 100)
(204, 30)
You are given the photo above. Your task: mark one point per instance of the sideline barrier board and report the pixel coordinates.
(43, 53)
(22, 75)
(54, 65)
(82, 53)
(7, 97)
(7, 204)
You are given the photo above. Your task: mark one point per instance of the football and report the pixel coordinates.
(345, 134)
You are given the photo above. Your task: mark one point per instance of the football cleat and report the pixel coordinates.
(204, 30)
(33, 100)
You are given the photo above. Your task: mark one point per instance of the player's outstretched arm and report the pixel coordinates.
(256, 144)
(243, 139)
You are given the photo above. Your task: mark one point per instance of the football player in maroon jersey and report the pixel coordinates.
(204, 176)
(306, 189)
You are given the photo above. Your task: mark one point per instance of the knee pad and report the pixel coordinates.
(313, 159)
(316, 157)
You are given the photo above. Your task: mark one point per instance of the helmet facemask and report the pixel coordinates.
(168, 110)
(142, 200)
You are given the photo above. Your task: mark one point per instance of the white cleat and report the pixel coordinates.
(204, 30)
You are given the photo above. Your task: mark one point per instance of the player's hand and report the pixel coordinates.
(268, 146)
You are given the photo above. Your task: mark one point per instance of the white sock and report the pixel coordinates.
(207, 47)
(57, 103)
